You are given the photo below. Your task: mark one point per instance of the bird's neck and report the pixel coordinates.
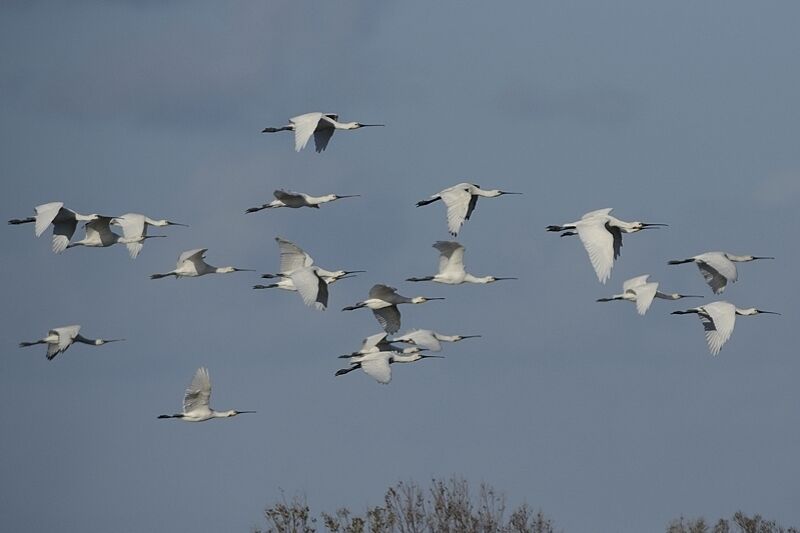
(739, 258)
(469, 278)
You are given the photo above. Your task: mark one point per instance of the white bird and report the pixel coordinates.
(379, 343)
(451, 267)
(64, 222)
(134, 229)
(298, 199)
(99, 235)
(195, 401)
(718, 320)
(718, 268)
(642, 292)
(321, 125)
(191, 264)
(601, 235)
(377, 364)
(383, 300)
(427, 339)
(60, 339)
(298, 273)
(460, 201)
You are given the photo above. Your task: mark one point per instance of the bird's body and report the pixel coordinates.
(377, 365)
(320, 125)
(383, 301)
(64, 222)
(718, 320)
(461, 200)
(60, 339)
(191, 264)
(426, 339)
(379, 343)
(642, 293)
(451, 267)
(134, 230)
(601, 235)
(718, 268)
(196, 398)
(298, 199)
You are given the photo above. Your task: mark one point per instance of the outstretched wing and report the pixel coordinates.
(100, 230)
(599, 244)
(288, 197)
(388, 318)
(451, 256)
(422, 338)
(133, 227)
(198, 392)
(311, 287)
(66, 336)
(457, 201)
(382, 292)
(196, 256)
(644, 296)
(378, 368)
(372, 341)
(718, 325)
(304, 126)
(634, 282)
(45, 214)
(717, 271)
(292, 256)
(322, 137)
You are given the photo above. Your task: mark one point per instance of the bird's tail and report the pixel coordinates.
(426, 202)
(16, 221)
(679, 261)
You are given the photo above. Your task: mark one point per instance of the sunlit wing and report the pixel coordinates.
(304, 126)
(717, 271)
(378, 368)
(195, 256)
(634, 282)
(719, 324)
(422, 338)
(45, 214)
(644, 296)
(292, 256)
(198, 392)
(599, 244)
(451, 256)
(311, 288)
(457, 202)
(133, 227)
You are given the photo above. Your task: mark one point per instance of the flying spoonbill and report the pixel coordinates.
(718, 320)
(321, 125)
(134, 228)
(99, 235)
(460, 201)
(195, 401)
(60, 339)
(383, 300)
(191, 264)
(451, 267)
(299, 199)
(379, 343)
(642, 292)
(427, 339)
(601, 235)
(718, 268)
(64, 222)
(377, 364)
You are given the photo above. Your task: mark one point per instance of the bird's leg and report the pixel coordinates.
(426, 278)
(26, 344)
(15, 221)
(426, 202)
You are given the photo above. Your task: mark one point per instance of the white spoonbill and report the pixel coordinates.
(377, 364)
(299, 199)
(321, 125)
(64, 222)
(718, 268)
(601, 235)
(383, 300)
(99, 235)
(134, 228)
(460, 201)
(718, 320)
(195, 401)
(192, 264)
(60, 339)
(642, 292)
(451, 267)
(427, 339)
(379, 343)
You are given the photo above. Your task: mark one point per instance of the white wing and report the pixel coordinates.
(311, 287)
(457, 201)
(292, 256)
(304, 126)
(423, 338)
(133, 227)
(599, 244)
(717, 270)
(45, 214)
(451, 257)
(66, 336)
(290, 198)
(196, 256)
(378, 367)
(634, 282)
(198, 392)
(719, 324)
(388, 318)
(598, 212)
(372, 341)
(644, 296)
(99, 230)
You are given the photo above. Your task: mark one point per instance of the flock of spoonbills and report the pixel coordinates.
(599, 232)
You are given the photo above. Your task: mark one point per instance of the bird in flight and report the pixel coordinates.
(134, 230)
(191, 264)
(377, 364)
(718, 319)
(718, 268)
(64, 222)
(460, 201)
(321, 125)
(383, 300)
(426, 339)
(60, 339)
(195, 401)
(298, 199)
(451, 267)
(642, 292)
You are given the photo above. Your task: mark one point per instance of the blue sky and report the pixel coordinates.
(681, 113)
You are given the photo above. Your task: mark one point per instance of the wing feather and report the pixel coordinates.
(304, 126)
(292, 256)
(388, 318)
(378, 368)
(457, 200)
(45, 214)
(599, 244)
(198, 393)
(718, 324)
